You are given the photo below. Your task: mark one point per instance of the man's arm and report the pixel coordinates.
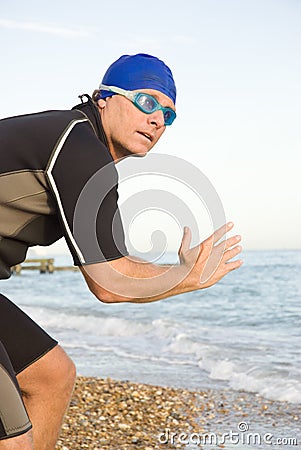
(130, 279)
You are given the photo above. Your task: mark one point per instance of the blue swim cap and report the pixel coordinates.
(141, 71)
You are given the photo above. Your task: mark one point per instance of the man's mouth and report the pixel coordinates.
(148, 136)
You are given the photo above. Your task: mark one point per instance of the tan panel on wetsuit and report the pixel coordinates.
(12, 411)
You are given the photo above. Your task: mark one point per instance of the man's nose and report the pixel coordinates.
(157, 118)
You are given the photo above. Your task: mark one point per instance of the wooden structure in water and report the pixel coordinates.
(44, 265)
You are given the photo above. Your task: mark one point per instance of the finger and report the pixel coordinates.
(219, 233)
(228, 243)
(229, 254)
(186, 240)
(234, 265)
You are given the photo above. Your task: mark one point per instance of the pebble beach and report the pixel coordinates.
(109, 414)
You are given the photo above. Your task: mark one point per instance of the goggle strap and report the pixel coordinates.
(117, 90)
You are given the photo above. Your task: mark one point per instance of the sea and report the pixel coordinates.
(243, 334)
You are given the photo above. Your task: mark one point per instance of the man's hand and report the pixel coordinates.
(209, 261)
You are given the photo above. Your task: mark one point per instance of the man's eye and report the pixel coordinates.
(147, 102)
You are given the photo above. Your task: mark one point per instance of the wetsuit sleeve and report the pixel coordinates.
(83, 179)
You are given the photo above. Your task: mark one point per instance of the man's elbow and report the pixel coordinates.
(106, 296)
(106, 283)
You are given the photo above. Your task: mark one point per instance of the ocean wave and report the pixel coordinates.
(89, 324)
(271, 387)
(238, 374)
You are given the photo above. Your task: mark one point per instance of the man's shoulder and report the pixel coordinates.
(39, 126)
(52, 115)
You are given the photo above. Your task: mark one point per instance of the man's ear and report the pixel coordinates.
(101, 103)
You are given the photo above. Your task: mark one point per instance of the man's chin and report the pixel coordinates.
(139, 155)
(139, 152)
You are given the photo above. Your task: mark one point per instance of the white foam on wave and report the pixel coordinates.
(102, 325)
(271, 387)
(274, 388)
(126, 354)
(164, 328)
(99, 326)
(221, 370)
(238, 375)
(182, 344)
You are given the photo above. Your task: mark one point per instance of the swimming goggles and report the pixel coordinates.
(145, 102)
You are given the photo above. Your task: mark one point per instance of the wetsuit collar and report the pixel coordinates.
(91, 111)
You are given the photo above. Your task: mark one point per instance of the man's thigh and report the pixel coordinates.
(24, 340)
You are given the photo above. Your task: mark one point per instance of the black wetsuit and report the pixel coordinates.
(54, 164)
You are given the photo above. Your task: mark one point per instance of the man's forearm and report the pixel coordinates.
(137, 281)
(151, 282)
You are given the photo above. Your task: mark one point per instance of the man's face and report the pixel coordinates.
(130, 131)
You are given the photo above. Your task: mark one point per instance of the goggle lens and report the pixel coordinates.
(169, 117)
(148, 104)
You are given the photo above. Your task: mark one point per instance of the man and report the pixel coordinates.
(47, 161)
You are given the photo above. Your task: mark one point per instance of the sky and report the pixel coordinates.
(237, 67)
